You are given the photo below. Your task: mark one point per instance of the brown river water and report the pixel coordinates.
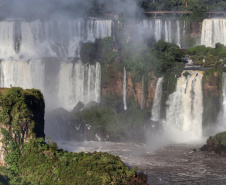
(173, 164)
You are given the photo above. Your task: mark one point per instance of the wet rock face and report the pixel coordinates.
(216, 143)
(143, 94)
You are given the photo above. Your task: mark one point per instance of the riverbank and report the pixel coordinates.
(173, 164)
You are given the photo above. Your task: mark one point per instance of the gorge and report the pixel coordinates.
(42, 55)
(97, 86)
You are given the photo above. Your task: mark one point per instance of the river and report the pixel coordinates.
(172, 164)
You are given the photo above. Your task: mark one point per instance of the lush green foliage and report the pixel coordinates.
(32, 161)
(208, 57)
(21, 117)
(216, 143)
(162, 56)
(39, 163)
(23, 112)
(198, 7)
(183, 4)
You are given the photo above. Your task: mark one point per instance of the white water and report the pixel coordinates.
(25, 46)
(124, 89)
(213, 31)
(78, 83)
(50, 38)
(155, 116)
(169, 30)
(7, 38)
(178, 34)
(185, 107)
(27, 75)
(158, 29)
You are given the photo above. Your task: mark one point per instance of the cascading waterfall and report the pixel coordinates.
(78, 82)
(213, 31)
(49, 38)
(155, 116)
(185, 105)
(163, 29)
(124, 89)
(27, 46)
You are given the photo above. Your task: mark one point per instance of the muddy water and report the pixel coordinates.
(174, 164)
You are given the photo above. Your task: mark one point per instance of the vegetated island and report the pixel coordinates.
(25, 157)
(216, 143)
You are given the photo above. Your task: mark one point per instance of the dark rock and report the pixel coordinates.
(78, 107)
(139, 180)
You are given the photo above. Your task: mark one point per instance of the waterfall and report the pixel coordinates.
(162, 29)
(39, 54)
(158, 29)
(7, 39)
(168, 31)
(78, 83)
(29, 74)
(222, 114)
(124, 89)
(213, 31)
(185, 105)
(155, 116)
(178, 34)
(49, 38)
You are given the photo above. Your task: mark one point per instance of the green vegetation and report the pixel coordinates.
(208, 57)
(205, 5)
(40, 163)
(32, 161)
(216, 143)
(198, 7)
(159, 58)
(23, 112)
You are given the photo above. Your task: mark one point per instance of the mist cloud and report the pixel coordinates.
(31, 9)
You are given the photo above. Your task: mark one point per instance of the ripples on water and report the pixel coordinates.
(174, 164)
